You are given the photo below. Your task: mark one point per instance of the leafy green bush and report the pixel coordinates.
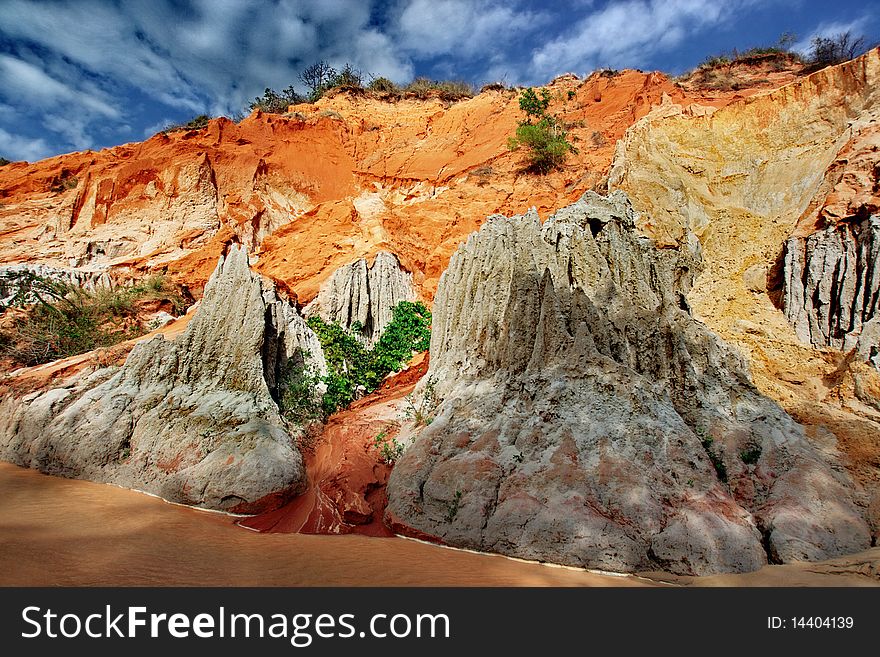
(546, 139)
(408, 331)
(299, 400)
(532, 105)
(354, 369)
(61, 319)
(274, 102)
(546, 143)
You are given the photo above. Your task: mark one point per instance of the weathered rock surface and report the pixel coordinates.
(578, 391)
(745, 178)
(832, 287)
(364, 293)
(317, 188)
(192, 420)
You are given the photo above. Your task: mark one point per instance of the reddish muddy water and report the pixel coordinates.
(67, 532)
(63, 532)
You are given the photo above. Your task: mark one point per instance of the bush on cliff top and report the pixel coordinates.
(320, 78)
(835, 49)
(273, 102)
(195, 123)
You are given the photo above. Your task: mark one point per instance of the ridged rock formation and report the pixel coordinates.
(832, 285)
(192, 420)
(365, 294)
(584, 407)
(742, 176)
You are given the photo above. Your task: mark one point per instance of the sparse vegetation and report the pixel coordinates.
(354, 369)
(196, 123)
(717, 72)
(274, 102)
(494, 86)
(321, 77)
(781, 47)
(390, 449)
(453, 506)
(750, 454)
(3, 161)
(449, 90)
(707, 441)
(63, 182)
(56, 319)
(834, 49)
(545, 139)
(382, 85)
(421, 411)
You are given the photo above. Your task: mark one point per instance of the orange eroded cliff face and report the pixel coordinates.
(318, 187)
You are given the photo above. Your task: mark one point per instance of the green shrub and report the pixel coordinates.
(352, 368)
(3, 161)
(408, 331)
(546, 139)
(348, 77)
(273, 102)
(62, 319)
(751, 454)
(298, 398)
(546, 143)
(532, 105)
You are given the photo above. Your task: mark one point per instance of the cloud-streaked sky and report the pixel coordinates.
(80, 74)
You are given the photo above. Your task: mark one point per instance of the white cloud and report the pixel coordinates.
(213, 56)
(463, 27)
(22, 80)
(629, 33)
(15, 147)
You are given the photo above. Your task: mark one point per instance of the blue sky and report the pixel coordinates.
(81, 74)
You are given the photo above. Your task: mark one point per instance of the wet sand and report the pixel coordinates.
(62, 532)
